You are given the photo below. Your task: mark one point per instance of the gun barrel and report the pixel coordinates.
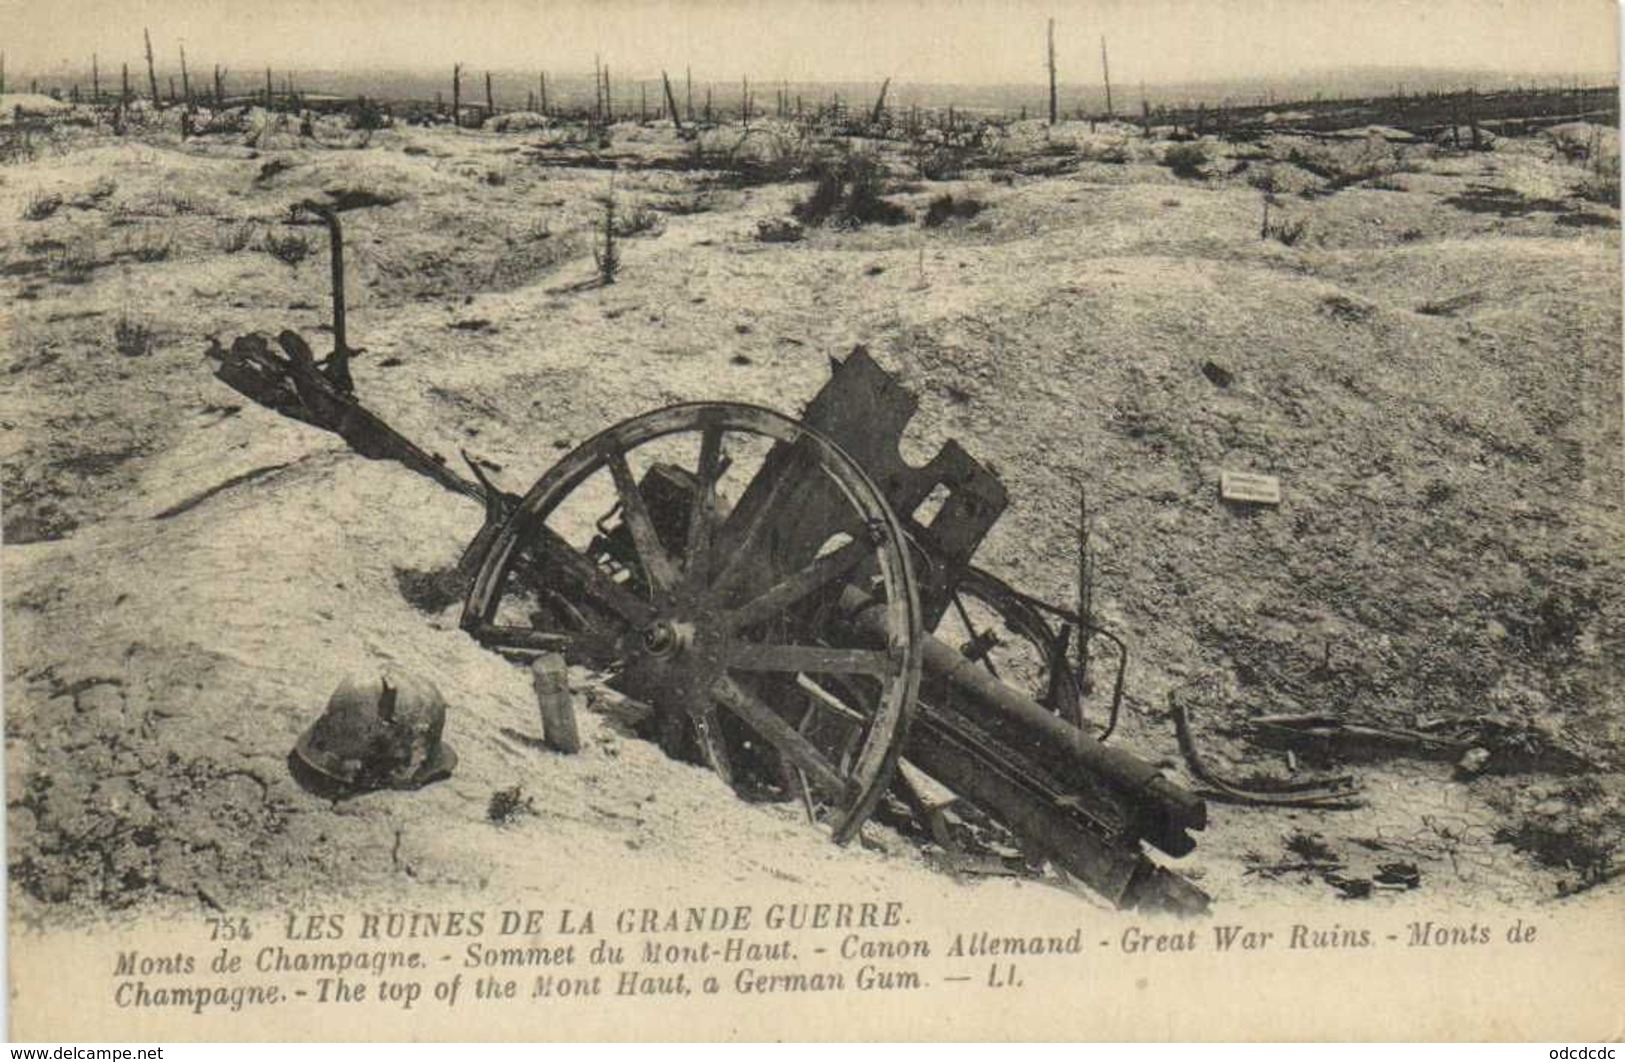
(942, 747)
(952, 683)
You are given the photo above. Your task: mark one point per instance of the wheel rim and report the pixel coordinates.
(717, 622)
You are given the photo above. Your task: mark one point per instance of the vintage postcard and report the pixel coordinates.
(812, 519)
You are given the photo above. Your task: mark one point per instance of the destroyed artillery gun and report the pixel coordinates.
(768, 588)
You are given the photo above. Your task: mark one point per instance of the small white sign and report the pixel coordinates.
(1250, 487)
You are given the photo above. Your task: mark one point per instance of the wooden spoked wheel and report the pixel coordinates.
(721, 591)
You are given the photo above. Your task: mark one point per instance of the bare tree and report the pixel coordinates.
(1106, 74)
(152, 71)
(1051, 71)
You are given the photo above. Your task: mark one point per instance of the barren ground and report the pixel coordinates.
(1432, 369)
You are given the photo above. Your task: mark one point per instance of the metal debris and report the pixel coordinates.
(780, 633)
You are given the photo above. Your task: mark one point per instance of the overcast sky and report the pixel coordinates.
(965, 41)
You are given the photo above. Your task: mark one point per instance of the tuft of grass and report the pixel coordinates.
(938, 161)
(131, 338)
(150, 249)
(640, 221)
(358, 198)
(290, 248)
(1310, 847)
(17, 145)
(507, 805)
(77, 263)
(367, 115)
(97, 194)
(538, 231)
(1265, 179)
(945, 208)
(235, 238)
(271, 167)
(847, 191)
(1343, 308)
(1284, 232)
(41, 206)
(1114, 154)
(698, 203)
(1187, 160)
(779, 230)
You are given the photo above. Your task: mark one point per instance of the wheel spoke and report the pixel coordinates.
(702, 519)
(656, 562)
(578, 646)
(813, 659)
(819, 573)
(778, 732)
(709, 732)
(555, 550)
(527, 639)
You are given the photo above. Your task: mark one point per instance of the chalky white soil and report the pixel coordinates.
(1432, 370)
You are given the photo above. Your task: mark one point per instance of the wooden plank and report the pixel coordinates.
(1252, 487)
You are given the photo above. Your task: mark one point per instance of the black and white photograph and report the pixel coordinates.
(812, 519)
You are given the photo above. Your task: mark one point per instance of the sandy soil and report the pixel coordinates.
(1432, 368)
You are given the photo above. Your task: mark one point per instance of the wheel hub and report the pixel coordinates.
(667, 638)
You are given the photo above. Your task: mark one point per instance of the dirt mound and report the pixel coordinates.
(1436, 387)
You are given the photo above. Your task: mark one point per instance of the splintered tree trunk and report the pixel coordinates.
(186, 80)
(152, 71)
(219, 87)
(543, 97)
(688, 77)
(490, 99)
(671, 103)
(1106, 75)
(457, 94)
(268, 93)
(1052, 72)
(95, 79)
(880, 103)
